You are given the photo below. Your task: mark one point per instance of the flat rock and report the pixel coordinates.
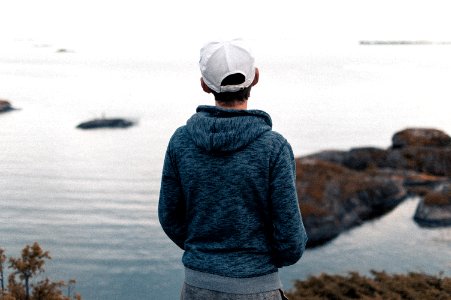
(106, 123)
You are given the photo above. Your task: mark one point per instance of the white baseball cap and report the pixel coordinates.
(221, 59)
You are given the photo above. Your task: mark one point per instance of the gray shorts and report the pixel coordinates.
(194, 293)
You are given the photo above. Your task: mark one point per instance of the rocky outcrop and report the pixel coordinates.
(334, 198)
(431, 157)
(435, 208)
(430, 160)
(106, 123)
(341, 189)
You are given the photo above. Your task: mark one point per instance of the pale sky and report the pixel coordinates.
(164, 27)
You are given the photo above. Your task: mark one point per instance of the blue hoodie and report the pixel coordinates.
(228, 194)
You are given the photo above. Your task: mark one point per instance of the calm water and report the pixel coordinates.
(90, 197)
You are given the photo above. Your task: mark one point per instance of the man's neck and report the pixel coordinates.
(238, 105)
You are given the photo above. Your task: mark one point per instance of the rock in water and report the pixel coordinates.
(5, 106)
(341, 189)
(334, 198)
(435, 208)
(106, 123)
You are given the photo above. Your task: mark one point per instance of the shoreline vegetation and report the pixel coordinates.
(379, 285)
(27, 268)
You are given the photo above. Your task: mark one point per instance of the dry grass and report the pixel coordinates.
(379, 286)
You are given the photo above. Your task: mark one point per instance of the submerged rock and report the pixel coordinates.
(106, 123)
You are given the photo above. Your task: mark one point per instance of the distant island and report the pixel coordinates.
(64, 50)
(402, 42)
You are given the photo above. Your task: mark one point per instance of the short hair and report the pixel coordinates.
(240, 95)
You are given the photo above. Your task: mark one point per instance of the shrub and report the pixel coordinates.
(29, 265)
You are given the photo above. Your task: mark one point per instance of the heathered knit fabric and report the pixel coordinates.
(228, 195)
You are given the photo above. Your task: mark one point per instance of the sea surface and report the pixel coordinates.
(90, 197)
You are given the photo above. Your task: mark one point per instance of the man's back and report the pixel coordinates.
(225, 163)
(228, 198)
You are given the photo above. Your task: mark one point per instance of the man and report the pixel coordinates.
(228, 195)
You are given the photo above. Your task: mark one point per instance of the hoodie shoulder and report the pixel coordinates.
(275, 139)
(278, 147)
(178, 137)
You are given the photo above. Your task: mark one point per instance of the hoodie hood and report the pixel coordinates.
(216, 129)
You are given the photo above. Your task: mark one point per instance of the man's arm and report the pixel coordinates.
(171, 206)
(289, 237)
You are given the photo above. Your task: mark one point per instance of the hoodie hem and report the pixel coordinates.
(233, 285)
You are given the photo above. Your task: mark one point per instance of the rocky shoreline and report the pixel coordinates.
(342, 189)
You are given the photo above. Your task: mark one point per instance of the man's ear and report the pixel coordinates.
(205, 86)
(256, 77)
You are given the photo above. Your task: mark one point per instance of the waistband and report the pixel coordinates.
(233, 285)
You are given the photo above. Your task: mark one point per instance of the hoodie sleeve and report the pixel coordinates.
(289, 237)
(171, 206)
